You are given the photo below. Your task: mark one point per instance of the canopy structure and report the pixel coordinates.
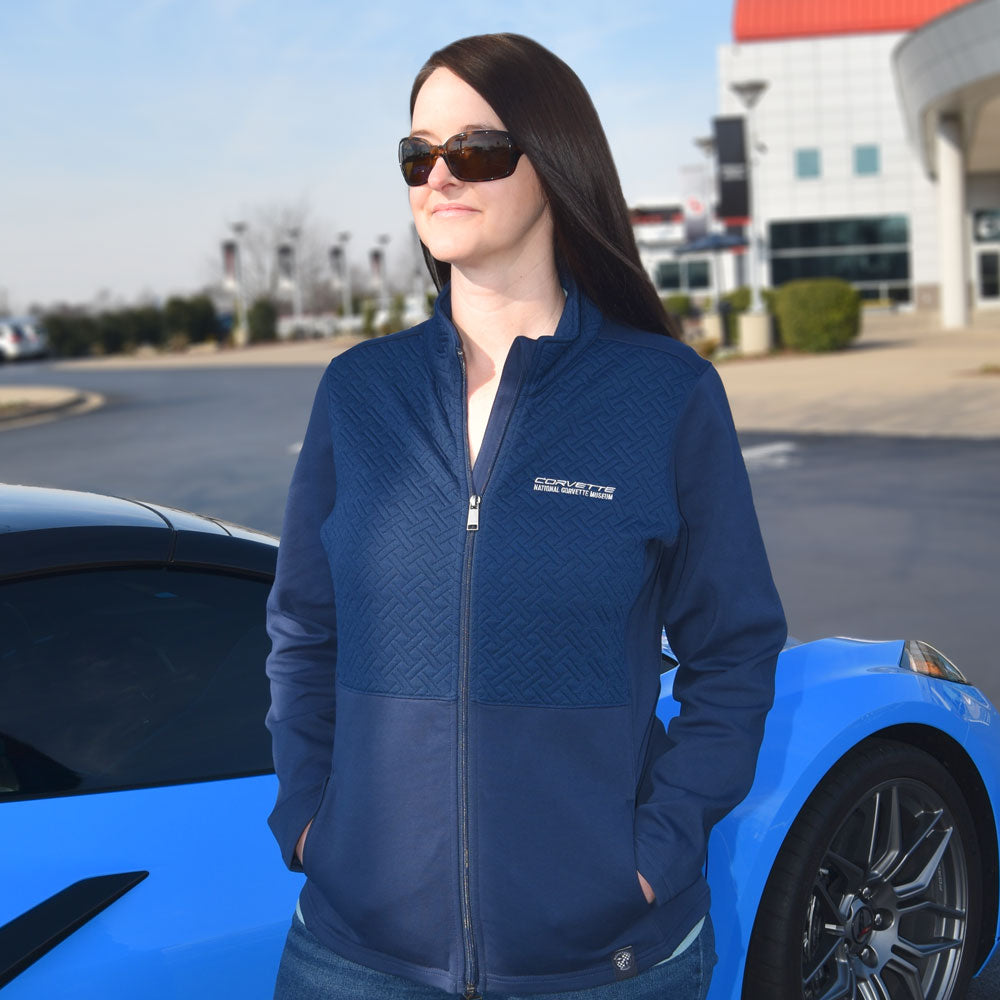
(712, 243)
(948, 80)
(763, 20)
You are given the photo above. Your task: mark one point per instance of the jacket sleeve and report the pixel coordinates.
(301, 622)
(726, 627)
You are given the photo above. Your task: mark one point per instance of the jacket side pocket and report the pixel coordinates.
(315, 823)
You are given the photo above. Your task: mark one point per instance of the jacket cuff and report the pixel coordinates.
(666, 885)
(289, 818)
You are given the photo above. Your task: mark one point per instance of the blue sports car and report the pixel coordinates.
(135, 778)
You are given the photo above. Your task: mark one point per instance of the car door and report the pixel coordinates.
(135, 782)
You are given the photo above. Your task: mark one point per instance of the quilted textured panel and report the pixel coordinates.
(558, 565)
(581, 487)
(395, 536)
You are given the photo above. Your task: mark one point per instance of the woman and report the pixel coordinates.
(492, 517)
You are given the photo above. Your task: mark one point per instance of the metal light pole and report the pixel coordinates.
(706, 144)
(383, 286)
(750, 92)
(419, 282)
(345, 274)
(293, 235)
(241, 334)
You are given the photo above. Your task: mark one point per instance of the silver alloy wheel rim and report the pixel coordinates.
(886, 917)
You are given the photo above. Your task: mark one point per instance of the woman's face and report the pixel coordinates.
(503, 225)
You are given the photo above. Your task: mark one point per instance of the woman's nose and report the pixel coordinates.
(440, 176)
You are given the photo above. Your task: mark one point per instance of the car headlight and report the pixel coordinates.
(923, 658)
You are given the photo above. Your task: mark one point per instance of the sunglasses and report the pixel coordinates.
(484, 155)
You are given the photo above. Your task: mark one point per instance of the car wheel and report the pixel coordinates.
(876, 893)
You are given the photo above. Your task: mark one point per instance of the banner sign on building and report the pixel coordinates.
(286, 266)
(986, 226)
(731, 159)
(694, 181)
(657, 225)
(337, 260)
(230, 251)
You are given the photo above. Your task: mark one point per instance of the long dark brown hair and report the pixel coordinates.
(551, 117)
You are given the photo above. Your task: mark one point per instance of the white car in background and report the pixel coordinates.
(22, 338)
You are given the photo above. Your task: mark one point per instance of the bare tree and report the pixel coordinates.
(269, 227)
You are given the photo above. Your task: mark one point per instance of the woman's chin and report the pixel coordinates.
(449, 253)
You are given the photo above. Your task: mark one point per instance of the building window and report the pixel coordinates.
(683, 276)
(858, 268)
(850, 231)
(807, 163)
(866, 160)
(697, 275)
(870, 252)
(668, 276)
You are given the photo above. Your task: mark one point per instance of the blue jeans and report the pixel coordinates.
(310, 971)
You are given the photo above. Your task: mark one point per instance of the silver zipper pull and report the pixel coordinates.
(472, 524)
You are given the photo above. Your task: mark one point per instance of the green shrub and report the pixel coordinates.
(394, 319)
(203, 320)
(677, 304)
(738, 299)
(368, 310)
(732, 304)
(818, 314)
(71, 335)
(262, 320)
(770, 298)
(176, 316)
(75, 333)
(144, 325)
(194, 317)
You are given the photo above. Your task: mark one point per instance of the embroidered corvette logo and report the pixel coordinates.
(545, 485)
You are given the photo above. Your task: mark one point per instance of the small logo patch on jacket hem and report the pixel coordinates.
(624, 962)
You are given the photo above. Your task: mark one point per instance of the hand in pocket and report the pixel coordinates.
(647, 889)
(300, 846)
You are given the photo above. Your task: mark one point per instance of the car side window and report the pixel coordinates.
(117, 678)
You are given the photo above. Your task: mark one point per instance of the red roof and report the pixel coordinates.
(759, 20)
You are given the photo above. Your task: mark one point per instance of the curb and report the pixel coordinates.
(29, 413)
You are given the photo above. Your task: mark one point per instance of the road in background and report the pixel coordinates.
(868, 536)
(887, 537)
(210, 440)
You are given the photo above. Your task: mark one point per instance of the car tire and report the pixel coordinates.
(877, 889)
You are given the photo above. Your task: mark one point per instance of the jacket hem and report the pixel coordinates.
(555, 982)
(377, 960)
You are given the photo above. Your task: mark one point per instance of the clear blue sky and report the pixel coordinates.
(134, 131)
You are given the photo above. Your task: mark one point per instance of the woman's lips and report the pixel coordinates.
(450, 210)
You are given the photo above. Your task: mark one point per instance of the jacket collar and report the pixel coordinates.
(578, 325)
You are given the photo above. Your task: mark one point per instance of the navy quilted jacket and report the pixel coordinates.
(466, 662)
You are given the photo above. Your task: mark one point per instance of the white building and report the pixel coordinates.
(876, 146)
(879, 136)
(659, 228)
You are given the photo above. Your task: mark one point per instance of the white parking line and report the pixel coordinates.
(776, 455)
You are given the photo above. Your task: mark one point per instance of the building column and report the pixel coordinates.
(951, 223)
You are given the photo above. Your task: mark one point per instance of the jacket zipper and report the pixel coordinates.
(471, 527)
